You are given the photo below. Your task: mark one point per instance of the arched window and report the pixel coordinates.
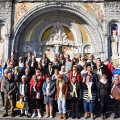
(87, 51)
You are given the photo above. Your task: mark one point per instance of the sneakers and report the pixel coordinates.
(51, 116)
(39, 115)
(46, 116)
(33, 115)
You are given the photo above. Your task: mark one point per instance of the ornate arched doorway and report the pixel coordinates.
(54, 28)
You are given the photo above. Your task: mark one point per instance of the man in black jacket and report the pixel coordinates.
(99, 68)
(49, 70)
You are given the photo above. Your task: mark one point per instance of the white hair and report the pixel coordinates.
(24, 76)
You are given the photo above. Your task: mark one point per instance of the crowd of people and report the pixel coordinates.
(57, 83)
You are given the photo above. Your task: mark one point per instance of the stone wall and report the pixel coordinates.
(5, 19)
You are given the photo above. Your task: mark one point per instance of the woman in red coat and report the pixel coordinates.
(36, 91)
(75, 73)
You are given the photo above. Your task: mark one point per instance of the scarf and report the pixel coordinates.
(50, 70)
(74, 89)
(89, 89)
(48, 88)
(103, 81)
(60, 94)
(22, 89)
(32, 64)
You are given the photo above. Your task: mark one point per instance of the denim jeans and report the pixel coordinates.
(89, 106)
(61, 105)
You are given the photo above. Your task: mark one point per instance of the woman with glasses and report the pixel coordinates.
(75, 73)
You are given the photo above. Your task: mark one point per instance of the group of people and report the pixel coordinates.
(58, 83)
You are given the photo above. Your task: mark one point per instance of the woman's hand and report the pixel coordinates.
(71, 93)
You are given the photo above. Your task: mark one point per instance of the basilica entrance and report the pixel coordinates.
(54, 29)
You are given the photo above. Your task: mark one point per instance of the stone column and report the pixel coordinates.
(6, 48)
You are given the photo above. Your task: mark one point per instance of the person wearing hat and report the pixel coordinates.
(74, 95)
(75, 73)
(61, 95)
(48, 89)
(49, 69)
(64, 74)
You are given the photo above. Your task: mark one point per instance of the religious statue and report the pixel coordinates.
(114, 43)
(57, 48)
(58, 35)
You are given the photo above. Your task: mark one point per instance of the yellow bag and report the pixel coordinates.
(20, 105)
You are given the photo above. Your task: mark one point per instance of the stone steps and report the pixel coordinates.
(56, 114)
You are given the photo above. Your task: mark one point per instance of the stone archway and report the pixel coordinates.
(70, 9)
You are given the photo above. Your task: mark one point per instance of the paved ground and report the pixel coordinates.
(109, 115)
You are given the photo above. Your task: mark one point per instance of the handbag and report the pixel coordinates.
(117, 97)
(20, 105)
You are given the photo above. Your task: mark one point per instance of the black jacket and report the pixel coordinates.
(103, 89)
(48, 72)
(26, 90)
(102, 67)
(78, 89)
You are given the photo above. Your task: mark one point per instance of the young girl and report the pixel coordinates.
(49, 93)
(61, 95)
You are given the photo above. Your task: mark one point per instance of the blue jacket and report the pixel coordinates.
(52, 88)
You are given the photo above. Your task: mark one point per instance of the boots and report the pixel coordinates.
(60, 116)
(64, 116)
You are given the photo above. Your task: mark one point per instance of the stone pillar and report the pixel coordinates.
(6, 48)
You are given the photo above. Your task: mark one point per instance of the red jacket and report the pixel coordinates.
(78, 76)
(109, 69)
(38, 85)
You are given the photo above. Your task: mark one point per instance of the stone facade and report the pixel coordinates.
(29, 25)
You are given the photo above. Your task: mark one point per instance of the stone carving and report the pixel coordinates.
(58, 35)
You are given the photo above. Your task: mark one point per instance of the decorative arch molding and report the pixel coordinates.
(49, 7)
(65, 22)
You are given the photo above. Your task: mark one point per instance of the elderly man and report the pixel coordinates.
(78, 58)
(2, 80)
(9, 92)
(28, 58)
(90, 61)
(68, 64)
(21, 63)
